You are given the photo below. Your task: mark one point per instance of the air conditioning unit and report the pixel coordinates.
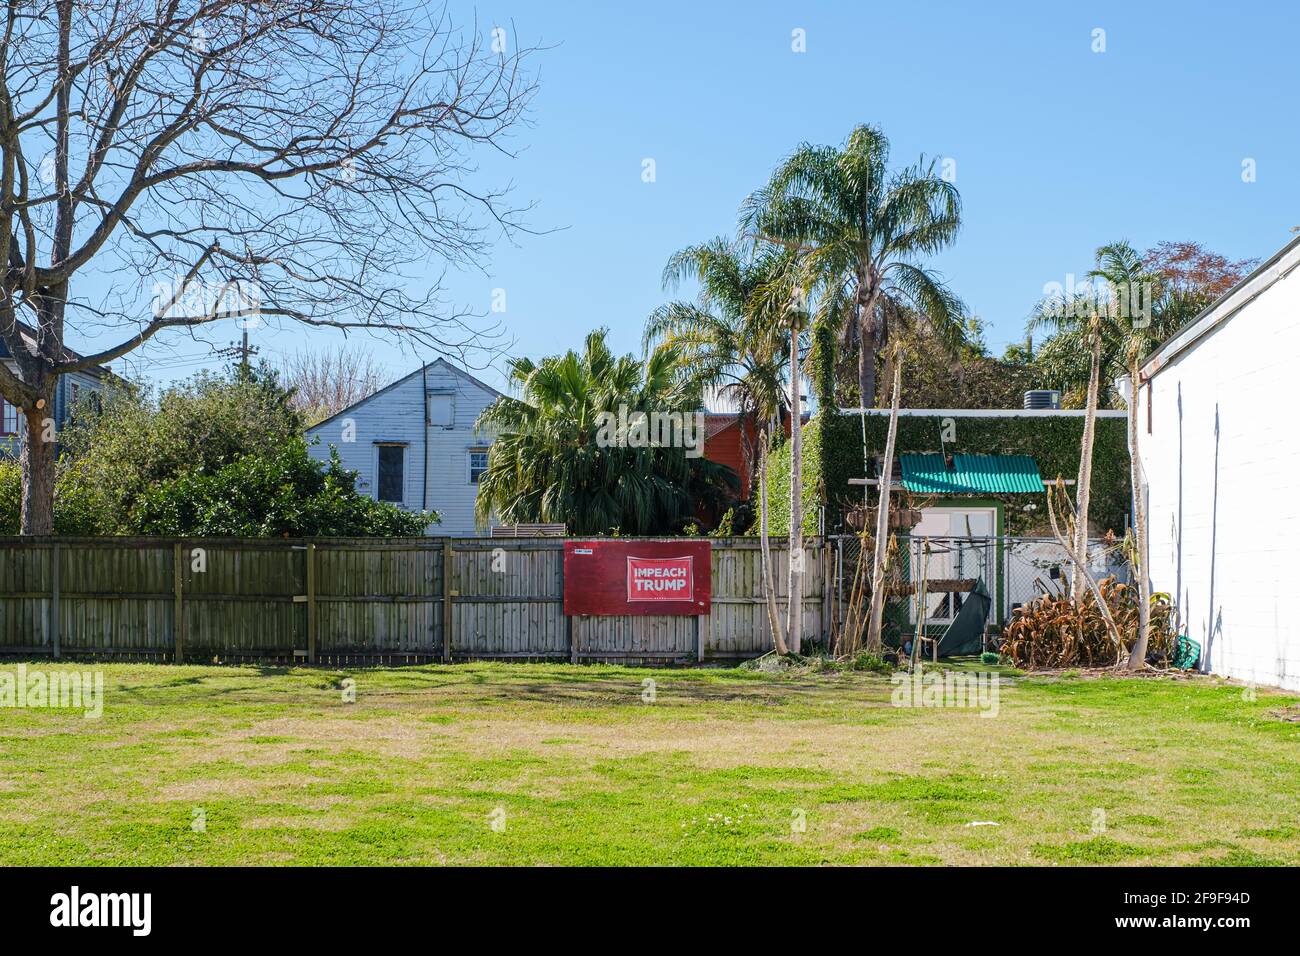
(1042, 398)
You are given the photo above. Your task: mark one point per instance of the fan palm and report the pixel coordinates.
(863, 232)
(547, 463)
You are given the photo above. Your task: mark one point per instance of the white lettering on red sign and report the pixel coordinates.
(661, 579)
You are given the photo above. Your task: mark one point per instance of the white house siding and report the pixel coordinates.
(1223, 465)
(397, 414)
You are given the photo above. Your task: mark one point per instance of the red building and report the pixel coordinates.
(726, 443)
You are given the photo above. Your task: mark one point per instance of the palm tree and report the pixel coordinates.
(553, 461)
(732, 339)
(798, 315)
(1170, 284)
(1120, 265)
(1120, 323)
(863, 232)
(1077, 316)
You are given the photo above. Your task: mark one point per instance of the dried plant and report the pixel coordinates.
(1056, 631)
(1065, 523)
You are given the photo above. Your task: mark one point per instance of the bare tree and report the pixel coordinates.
(327, 381)
(189, 161)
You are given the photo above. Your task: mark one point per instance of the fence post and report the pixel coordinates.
(311, 602)
(573, 642)
(179, 602)
(828, 615)
(55, 623)
(446, 599)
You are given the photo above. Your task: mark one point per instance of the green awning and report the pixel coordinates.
(971, 474)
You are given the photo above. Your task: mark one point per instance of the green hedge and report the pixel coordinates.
(833, 455)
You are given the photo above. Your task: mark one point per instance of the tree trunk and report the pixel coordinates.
(37, 463)
(1138, 657)
(765, 546)
(794, 626)
(882, 520)
(866, 306)
(1077, 582)
(867, 366)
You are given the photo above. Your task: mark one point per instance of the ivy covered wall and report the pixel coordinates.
(833, 455)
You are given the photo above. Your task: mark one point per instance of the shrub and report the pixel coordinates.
(11, 496)
(990, 658)
(1056, 631)
(78, 504)
(285, 493)
(127, 442)
(874, 663)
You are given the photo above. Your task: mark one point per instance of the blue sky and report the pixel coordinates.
(1058, 149)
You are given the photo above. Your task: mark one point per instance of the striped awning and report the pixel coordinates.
(971, 474)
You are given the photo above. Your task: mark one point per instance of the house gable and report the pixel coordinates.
(435, 458)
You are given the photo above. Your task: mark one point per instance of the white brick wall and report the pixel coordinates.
(1223, 466)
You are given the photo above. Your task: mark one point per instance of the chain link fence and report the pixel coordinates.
(1013, 570)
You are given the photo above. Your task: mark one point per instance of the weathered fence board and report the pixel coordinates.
(363, 599)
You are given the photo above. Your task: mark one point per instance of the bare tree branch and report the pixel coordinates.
(170, 164)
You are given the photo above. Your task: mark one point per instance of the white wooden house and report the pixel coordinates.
(1218, 439)
(67, 392)
(414, 444)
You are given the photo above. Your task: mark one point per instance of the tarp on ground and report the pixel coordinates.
(965, 635)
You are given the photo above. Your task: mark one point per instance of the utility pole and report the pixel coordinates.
(243, 350)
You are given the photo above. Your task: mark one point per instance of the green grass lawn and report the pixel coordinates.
(553, 764)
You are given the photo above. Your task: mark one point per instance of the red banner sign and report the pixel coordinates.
(660, 579)
(613, 577)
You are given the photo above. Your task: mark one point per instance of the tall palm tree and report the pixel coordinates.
(1169, 294)
(732, 337)
(864, 232)
(1119, 323)
(549, 463)
(1077, 316)
(1119, 265)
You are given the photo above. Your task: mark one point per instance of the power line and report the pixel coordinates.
(244, 351)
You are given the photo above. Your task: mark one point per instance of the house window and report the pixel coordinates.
(8, 418)
(478, 463)
(392, 462)
(442, 409)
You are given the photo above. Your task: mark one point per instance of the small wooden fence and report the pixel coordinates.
(363, 600)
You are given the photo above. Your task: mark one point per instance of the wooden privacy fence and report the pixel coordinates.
(364, 600)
